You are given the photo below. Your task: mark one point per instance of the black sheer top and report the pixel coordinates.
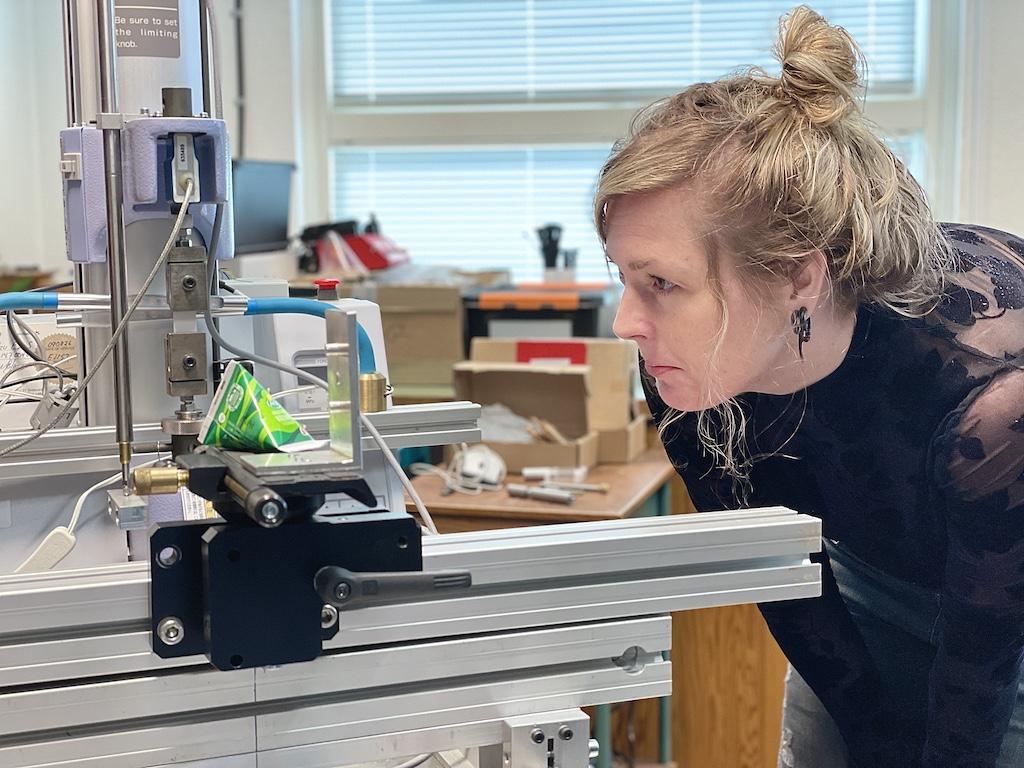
(911, 453)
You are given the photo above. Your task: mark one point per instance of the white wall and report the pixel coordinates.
(33, 112)
(992, 120)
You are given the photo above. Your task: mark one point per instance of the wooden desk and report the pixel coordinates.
(638, 489)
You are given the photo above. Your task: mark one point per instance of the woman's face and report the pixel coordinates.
(668, 306)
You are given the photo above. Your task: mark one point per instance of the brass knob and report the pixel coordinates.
(150, 481)
(373, 388)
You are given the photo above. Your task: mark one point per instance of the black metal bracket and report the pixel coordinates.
(245, 595)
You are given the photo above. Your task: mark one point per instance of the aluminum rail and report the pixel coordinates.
(558, 617)
(90, 450)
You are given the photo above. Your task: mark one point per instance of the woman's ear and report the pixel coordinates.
(811, 283)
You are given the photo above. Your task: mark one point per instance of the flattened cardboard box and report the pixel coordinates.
(613, 367)
(557, 394)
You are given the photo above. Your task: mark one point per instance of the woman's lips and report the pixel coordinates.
(659, 370)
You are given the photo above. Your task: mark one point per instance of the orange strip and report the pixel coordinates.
(525, 301)
(563, 286)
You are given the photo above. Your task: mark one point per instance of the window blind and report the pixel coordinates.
(476, 207)
(480, 207)
(425, 51)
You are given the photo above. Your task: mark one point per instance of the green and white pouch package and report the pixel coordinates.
(244, 417)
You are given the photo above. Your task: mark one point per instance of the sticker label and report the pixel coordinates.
(147, 28)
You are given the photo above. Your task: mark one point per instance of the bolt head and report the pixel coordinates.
(271, 512)
(189, 283)
(565, 733)
(537, 736)
(188, 362)
(170, 630)
(342, 591)
(328, 616)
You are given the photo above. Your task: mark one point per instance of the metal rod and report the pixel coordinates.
(240, 72)
(117, 268)
(73, 92)
(72, 66)
(204, 47)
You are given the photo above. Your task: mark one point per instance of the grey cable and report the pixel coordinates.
(414, 762)
(118, 331)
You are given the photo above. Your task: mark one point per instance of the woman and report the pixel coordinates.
(812, 338)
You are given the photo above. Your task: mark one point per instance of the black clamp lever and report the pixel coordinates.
(344, 589)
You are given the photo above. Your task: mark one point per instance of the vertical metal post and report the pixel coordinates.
(117, 268)
(72, 71)
(73, 93)
(204, 48)
(240, 73)
(603, 733)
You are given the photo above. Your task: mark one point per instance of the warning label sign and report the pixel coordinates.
(147, 28)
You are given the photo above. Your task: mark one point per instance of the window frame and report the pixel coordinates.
(931, 110)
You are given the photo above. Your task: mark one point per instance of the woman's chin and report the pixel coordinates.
(682, 396)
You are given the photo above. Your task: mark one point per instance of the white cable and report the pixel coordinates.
(455, 480)
(415, 762)
(294, 390)
(406, 482)
(36, 364)
(7, 394)
(118, 332)
(77, 512)
(60, 542)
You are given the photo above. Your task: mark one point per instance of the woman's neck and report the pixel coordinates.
(831, 336)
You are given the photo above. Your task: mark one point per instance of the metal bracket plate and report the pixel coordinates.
(548, 740)
(252, 578)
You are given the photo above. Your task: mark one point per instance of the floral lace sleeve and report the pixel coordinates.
(973, 683)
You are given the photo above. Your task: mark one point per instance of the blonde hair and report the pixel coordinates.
(782, 168)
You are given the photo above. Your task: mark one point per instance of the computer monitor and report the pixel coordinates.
(261, 200)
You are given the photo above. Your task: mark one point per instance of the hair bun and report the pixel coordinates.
(820, 65)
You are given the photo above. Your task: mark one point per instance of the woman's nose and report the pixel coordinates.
(629, 320)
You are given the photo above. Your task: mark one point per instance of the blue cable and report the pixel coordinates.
(28, 300)
(289, 306)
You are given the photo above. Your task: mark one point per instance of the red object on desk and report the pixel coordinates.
(571, 352)
(376, 251)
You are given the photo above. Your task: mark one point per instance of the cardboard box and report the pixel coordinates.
(612, 362)
(620, 446)
(557, 394)
(422, 333)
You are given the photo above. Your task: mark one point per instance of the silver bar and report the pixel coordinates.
(165, 745)
(479, 655)
(343, 388)
(90, 450)
(111, 701)
(380, 716)
(72, 87)
(204, 47)
(636, 567)
(72, 68)
(354, 675)
(117, 268)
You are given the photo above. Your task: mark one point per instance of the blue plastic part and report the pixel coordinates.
(289, 306)
(28, 300)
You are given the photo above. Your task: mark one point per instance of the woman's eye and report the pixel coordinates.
(661, 285)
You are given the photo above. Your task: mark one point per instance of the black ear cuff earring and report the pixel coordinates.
(802, 328)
